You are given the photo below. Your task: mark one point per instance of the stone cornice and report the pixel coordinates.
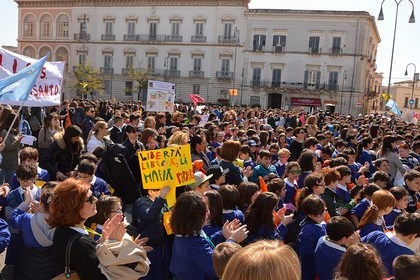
(129, 3)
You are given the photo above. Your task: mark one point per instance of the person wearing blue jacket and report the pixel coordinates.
(192, 250)
(265, 169)
(390, 245)
(86, 172)
(313, 229)
(330, 248)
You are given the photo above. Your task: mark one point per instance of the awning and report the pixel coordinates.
(314, 102)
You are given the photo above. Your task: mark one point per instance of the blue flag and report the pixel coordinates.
(18, 86)
(394, 106)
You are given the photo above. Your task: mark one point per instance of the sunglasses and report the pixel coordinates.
(118, 211)
(295, 171)
(134, 131)
(91, 199)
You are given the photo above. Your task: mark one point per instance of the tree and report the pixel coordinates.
(93, 81)
(141, 76)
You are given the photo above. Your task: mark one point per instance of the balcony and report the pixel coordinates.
(174, 38)
(196, 74)
(130, 37)
(336, 51)
(198, 39)
(107, 70)
(172, 73)
(258, 48)
(228, 39)
(152, 38)
(156, 72)
(224, 75)
(256, 83)
(108, 37)
(79, 37)
(274, 84)
(278, 49)
(331, 87)
(314, 50)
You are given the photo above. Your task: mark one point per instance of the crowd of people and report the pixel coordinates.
(276, 194)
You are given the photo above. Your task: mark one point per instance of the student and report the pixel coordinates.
(313, 228)
(26, 174)
(201, 183)
(265, 169)
(412, 185)
(277, 187)
(86, 171)
(283, 155)
(341, 234)
(148, 211)
(382, 179)
(393, 244)
(331, 176)
(291, 174)
(214, 225)
(343, 195)
(248, 191)
(219, 176)
(372, 220)
(30, 155)
(401, 196)
(355, 167)
(360, 261)
(222, 254)
(363, 202)
(230, 197)
(406, 267)
(259, 218)
(279, 262)
(245, 155)
(314, 184)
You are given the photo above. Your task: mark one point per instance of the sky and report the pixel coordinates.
(407, 42)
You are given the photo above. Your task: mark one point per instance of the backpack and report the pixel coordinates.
(294, 228)
(77, 116)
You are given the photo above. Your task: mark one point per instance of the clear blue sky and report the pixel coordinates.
(407, 39)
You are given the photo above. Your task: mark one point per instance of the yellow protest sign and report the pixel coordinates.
(166, 167)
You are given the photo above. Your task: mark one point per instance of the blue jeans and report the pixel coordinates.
(6, 175)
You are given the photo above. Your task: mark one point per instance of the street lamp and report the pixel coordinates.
(411, 20)
(415, 78)
(236, 38)
(342, 90)
(83, 35)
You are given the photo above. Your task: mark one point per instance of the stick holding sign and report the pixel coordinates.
(166, 167)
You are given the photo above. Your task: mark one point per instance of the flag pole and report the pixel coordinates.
(14, 120)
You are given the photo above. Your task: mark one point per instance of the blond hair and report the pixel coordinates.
(98, 125)
(178, 138)
(264, 260)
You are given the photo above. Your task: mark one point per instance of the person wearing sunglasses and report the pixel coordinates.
(88, 122)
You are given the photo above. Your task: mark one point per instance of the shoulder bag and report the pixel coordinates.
(68, 275)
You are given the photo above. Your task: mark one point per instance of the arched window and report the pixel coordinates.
(62, 54)
(29, 51)
(29, 23)
(46, 26)
(63, 26)
(43, 52)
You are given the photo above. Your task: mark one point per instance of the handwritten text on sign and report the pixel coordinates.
(170, 166)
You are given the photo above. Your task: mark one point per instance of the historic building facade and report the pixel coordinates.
(273, 58)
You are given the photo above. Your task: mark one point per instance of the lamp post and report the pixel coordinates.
(342, 90)
(415, 78)
(236, 38)
(411, 20)
(83, 35)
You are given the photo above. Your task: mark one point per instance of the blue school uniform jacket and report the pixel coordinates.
(360, 208)
(263, 232)
(42, 176)
(290, 191)
(388, 246)
(365, 156)
(390, 218)
(327, 256)
(230, 215)
(306, 243)
(371, 227)
(192, 258)
(99, 186)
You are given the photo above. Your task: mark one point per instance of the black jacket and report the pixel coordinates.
(150, 219)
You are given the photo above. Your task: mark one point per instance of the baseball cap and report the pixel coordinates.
(217, 171)
(199, 178)
(252, 143)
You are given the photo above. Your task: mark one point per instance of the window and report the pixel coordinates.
(151, 62)
(63, 26)
(173, 63)
(227, 31)
(276, 78)
(108, 27)
(129, 61)
(152, 28)
(279, 43)
(199, 26)
(131, 28)
(45, 29)
(225, 65)
(406, 102)
(256, 77)
(197, 64)
(29, 29)
(314, 44)
(312, 79)
(128, 88)
(82, 58)
(259, 42)
(175, 28)
(333, 80)
(416, 104)
(108, 61)
(108, 86)
(196, 89)
(336, 46)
